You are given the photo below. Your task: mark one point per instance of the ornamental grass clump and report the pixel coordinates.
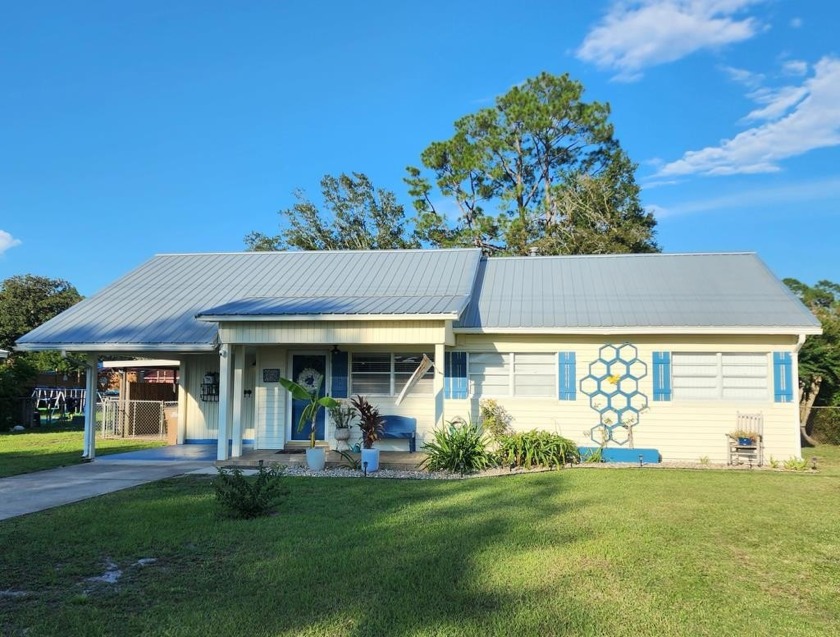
(459, 447)
(536, 449)
(245, 497)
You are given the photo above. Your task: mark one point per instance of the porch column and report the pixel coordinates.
(182, 402)
(89, 444)
(440, 351)
(238, 388)
(225, 367)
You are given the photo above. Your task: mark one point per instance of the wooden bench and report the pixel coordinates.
(401, 427)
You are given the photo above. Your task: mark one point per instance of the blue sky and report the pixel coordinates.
(130, 129)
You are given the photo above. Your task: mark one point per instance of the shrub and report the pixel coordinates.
(371, 422)
(795, 464)
(494, 418)
(246, 497)
(459, 446)
(537, 449)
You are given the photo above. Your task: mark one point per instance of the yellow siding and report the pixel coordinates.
(270, 405)
(680, 430)
(342, 332)
(202, 418)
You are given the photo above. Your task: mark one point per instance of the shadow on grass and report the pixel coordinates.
(343, 557)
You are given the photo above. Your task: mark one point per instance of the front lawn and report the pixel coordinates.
(51, 446)
(585, 551)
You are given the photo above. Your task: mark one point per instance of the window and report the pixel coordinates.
(727, 376)
(494, 374)
(387, 374)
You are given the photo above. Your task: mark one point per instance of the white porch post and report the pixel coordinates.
(225, 355)
(182, 401)
(238, 389)
(440, 370)
(89, 445)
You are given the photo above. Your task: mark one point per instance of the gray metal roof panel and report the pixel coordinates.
(632, 291)
(344, 305)
(156, 304)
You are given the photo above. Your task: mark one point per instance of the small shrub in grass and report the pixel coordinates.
(537, 449)
(459, 447)
(247, 497)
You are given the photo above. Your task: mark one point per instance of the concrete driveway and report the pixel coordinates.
(41, 490)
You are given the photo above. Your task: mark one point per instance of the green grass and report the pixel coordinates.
(51, 446)
(575, 552)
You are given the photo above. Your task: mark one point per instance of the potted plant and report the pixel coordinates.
(315, 456)
(371, 423)
(744, 438)
(342, 417)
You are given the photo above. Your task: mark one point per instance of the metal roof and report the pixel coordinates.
(655, 292)
(155, 306)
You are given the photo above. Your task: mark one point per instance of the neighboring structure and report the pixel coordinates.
(4, 354)
(647, 351)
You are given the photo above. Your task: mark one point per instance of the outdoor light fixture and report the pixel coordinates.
(247, 393)
(335, 350)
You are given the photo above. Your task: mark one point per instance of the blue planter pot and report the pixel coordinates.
(371, 457)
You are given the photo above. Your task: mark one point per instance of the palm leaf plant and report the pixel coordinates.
(310, 412)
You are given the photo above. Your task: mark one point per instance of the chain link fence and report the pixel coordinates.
(136, 418)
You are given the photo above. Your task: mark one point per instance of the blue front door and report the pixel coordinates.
(305, 368)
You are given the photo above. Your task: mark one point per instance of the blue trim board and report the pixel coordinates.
(782, 377)
(610, 454)
(214, 441)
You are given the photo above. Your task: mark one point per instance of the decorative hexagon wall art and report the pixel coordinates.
(613, 389)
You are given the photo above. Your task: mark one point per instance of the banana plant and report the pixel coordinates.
(310, 412)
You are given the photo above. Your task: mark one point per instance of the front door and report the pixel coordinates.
(307, 370)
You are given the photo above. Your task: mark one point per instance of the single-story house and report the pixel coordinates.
(659, 351)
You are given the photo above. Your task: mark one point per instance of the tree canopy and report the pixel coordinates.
(354, 216)
(819, 358)
(540, 169)
(27, 301)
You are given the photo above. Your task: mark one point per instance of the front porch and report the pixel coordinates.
(396, 460)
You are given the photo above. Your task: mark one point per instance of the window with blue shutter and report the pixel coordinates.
(455, 376)
(783, 377)
(662, 376)
(566, 375)
(339, 374)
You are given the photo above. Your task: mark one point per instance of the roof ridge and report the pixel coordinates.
(262, 252)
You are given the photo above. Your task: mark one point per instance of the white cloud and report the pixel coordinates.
(7, 241)
(637, 34)
(802, 118)
(742, 76)
(796, 23)
(813, 190)
(795, 67)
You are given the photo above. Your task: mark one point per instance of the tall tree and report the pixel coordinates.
(541, 169)
(819, 358)
(354, 216)
(27, 301)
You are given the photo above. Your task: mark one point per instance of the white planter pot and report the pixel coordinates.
(341, 437)
(371, 457)
(316, 459)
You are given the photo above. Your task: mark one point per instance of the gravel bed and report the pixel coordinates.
(344, 472)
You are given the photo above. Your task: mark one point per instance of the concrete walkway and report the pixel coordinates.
(41, 490)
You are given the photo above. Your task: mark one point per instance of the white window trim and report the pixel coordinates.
(768, 393)
(511, 392)
(392, 374)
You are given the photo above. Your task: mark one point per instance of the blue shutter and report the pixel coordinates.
(782, 377)
(455, 376)
(662, 376)
(339, 374)
(566, 375)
